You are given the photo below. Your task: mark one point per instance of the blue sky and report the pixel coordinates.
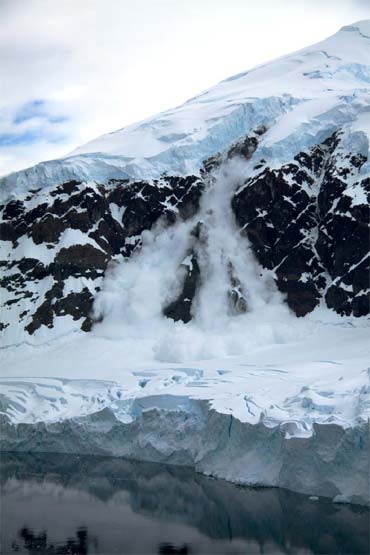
(73, 70)
(37, 109)
(30, 123)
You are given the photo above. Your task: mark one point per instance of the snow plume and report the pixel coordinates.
(136, 291)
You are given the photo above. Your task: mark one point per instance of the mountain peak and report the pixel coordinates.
(362, 26)
(301, 98)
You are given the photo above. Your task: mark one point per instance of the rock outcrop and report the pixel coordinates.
(306, 221)
(58, 242)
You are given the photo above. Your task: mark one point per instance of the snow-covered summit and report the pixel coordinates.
(302, 98)
(337, 64)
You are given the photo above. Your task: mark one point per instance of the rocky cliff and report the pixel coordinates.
(306, 221)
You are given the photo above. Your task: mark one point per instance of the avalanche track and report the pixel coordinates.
(203, 301)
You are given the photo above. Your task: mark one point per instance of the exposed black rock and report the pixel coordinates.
(44, 315)
(278, 216)
(303, 224)
(344, 243)
(79, 228)
(180, 308)
(79, 261)
(307, 222)
(244, 148)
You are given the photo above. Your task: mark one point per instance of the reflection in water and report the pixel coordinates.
(38, 543)
(169, 549)
(65, 504)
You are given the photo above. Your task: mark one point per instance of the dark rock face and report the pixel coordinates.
(308, 222)
(68, 235)
(343, 243)
(180, 308)
(79, 260)
(244, 149)
(278, 218)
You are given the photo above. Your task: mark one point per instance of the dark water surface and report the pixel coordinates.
(63, 504)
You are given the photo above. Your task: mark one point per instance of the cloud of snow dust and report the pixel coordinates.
(135, 291)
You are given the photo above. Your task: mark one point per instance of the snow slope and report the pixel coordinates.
(244, 373)
(292, 414)
(320, 376)
(309, 94)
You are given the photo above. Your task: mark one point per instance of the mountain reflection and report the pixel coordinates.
(38, 543)
(169, 549)
(50, 502)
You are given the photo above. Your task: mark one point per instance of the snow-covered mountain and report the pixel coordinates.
(301, 98)
(301, 201)
(164, 265)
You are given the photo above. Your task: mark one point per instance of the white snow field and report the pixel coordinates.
(318, 375)
(300, 97)
(289, 412)
(261, 398)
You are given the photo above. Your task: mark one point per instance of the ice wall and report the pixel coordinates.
(332, 463)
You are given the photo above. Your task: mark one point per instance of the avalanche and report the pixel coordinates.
(238, 387)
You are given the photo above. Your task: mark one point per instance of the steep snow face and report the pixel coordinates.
(336, 66)
(301, 98)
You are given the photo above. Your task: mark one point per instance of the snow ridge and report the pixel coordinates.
(311, 93)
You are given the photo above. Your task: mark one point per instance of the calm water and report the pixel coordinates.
(63, 504)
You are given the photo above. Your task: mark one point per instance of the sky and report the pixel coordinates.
(72, 70)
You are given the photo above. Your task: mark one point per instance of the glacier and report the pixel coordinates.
(257, 396)
(310, 93)
(291, 414)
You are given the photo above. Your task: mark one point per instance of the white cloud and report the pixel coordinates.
(100, 65)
